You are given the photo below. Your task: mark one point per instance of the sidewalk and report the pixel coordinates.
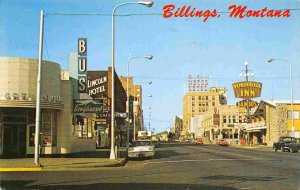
(256, 147)
(75, 162)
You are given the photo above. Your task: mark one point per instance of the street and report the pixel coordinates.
(177, 166)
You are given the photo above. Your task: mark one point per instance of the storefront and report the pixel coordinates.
(18, 79)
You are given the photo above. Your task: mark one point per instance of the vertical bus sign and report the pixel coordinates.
(82, 65)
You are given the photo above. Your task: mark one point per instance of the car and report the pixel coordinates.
(199, 141)
(295, 146)
(222, 142)
(283, 143)
(141, 148)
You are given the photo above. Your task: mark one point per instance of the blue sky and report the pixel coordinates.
(180, 46)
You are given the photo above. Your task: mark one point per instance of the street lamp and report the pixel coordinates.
(246, 74)
(149, 57)
(292, 97)
(148, 4)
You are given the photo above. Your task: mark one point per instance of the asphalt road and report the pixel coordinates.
(177, 166)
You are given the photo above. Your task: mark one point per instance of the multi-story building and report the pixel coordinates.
(196, 103)
(223, 122)
(272, 119)
(135, 94)
(177, 126)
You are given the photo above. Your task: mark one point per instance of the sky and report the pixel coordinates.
(180, 46)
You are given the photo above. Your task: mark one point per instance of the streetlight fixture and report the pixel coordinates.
(127, 92)
(246, 74)
(292, 97)
(112, 151)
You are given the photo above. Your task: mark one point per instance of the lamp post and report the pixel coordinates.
(247, 73)
(292, 97)
(149, 57)
(148, 4)
(38, 94)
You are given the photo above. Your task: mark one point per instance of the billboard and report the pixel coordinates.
(247, 89)
(198, 83)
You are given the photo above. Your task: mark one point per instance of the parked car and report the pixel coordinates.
(222, 142)
(199, 141)
(283, 143)
(141, 148)
(295, 146)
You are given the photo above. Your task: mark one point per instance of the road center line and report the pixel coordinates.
(208, 160)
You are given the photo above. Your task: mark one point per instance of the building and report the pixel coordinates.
(18, 88)
(272, 119)
(223, 122)
(177, 126)
(196, 103)
(136, 109)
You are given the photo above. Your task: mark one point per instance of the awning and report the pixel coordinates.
(256, 129)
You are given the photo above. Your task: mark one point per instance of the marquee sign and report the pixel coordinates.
(245, 104)
(82, 65)
(198, 83)
(246, 90)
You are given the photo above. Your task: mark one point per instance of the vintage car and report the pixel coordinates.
(141, 148)
(295, 146)
(199, 141)
(222, 142)
(283, 143)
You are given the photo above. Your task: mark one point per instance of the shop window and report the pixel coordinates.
(49, 128)
(1, 132)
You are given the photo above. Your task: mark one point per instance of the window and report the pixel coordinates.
(240, 119)
(193, 97)
(193, 103)
(229, 119)
(199, 98)
(296, 114)
(213, 97)
(206, 97)
(224, 119)
(206, 103)
(213, 103)
(233, 119)
(49, 128)
(199, 104)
